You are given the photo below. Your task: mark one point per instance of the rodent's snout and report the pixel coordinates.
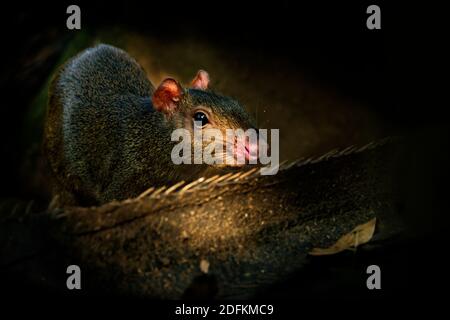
(247, 148)
(251, 150)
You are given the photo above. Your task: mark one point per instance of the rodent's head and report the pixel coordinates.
(199, 108)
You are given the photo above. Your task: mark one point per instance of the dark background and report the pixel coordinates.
(382, 69)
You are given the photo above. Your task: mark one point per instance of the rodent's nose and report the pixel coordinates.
(251, 151)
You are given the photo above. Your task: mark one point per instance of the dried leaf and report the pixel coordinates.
(204, 266)
(359, 235)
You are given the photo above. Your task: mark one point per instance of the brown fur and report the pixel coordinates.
(103, 138)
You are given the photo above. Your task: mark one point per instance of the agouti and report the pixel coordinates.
(108, 131)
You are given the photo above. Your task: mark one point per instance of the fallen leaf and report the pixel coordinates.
(359, 235)
(204, 266)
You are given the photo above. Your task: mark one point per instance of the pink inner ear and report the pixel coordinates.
(166, 96)
(201, 80)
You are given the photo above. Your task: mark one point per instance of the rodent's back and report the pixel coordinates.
(100, 72)
(88, 101)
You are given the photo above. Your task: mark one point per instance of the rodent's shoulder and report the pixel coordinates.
(104, 70)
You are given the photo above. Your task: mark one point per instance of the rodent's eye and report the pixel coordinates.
(201, 117)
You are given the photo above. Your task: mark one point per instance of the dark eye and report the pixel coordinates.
(201, 117)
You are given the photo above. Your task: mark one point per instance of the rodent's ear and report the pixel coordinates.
(201, 80)
(166, 97)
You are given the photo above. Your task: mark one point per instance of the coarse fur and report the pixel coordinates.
(106, 139)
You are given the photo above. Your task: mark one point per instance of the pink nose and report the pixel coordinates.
(251, 151)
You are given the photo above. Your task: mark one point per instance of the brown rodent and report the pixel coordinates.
(108, 131)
